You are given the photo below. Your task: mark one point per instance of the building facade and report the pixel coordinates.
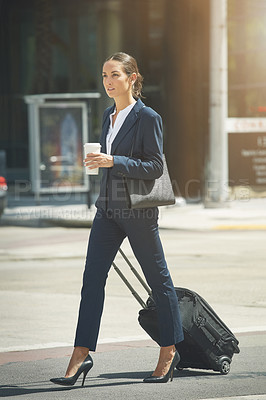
(58, 46)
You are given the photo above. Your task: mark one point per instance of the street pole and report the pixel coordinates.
(216, 192)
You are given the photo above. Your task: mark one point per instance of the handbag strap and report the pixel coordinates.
(134, 138)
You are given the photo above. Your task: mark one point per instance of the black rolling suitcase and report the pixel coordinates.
(208, 342)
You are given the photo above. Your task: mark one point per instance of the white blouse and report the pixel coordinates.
(114, 129)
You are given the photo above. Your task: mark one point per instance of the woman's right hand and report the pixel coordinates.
(98, 160)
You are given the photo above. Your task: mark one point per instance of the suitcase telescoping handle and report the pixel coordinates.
(137, 275)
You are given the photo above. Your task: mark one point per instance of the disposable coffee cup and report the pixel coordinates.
(91, 148)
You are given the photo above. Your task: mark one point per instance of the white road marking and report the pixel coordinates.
(253, 397)
(249, 329)
(119, 339)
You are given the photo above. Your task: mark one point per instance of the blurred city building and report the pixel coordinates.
(58, 46)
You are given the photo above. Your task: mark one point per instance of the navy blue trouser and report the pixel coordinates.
(108, 231)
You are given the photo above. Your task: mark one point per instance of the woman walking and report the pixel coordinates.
(125, 124)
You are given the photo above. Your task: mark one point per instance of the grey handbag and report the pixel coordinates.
(146, 193)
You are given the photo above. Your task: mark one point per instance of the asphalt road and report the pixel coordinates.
(40, 278)
(118, 375)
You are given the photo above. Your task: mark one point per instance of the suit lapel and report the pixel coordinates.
(128, 123)
(105, 129)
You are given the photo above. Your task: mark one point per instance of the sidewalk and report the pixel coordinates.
(34, 302)
(243, 215)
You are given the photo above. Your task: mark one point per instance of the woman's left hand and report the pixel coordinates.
(98, 160)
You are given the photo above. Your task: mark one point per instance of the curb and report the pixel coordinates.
(66, 351)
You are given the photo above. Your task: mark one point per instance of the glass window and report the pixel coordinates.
(45, 47)
(247, 58)
(146, 44)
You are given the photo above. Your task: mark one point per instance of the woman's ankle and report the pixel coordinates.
(81, 351)
(78, 356)
(167, 351)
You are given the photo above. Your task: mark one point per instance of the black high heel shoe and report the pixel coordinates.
(85, 367)
(170, 373)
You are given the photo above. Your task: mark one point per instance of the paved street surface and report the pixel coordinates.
(40, 278)
(118, 374)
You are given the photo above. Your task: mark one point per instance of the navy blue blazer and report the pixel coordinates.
(143, 127)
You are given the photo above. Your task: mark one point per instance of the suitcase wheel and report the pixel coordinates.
(224, 363)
